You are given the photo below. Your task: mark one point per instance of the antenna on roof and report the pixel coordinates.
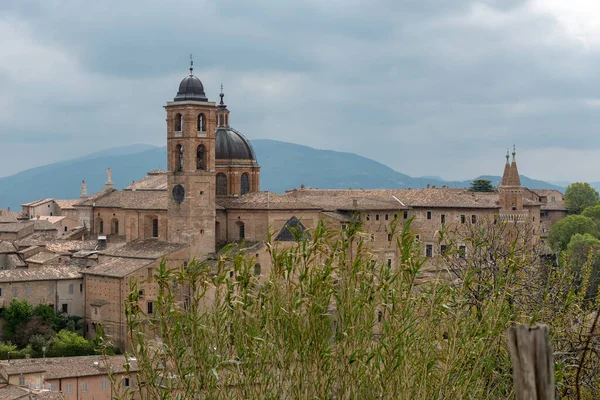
(191, 65)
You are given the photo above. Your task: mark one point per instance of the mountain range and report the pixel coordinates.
(283, 166)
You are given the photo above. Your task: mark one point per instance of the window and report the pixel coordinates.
(52, 387)
(462, 251)
(552, 198)
(65, 228)
(463, 219)
(101, 226)
(126, 382)
(405, 214)
(221, 120)
(150, 274)
(200, 157)
(15, 292)
(65, 308)
(372, 237)
(443, 218)
(178, 158)
(155, 227)
(242, 230)
(417, 237)
(178, 122)
(69, 388)
(389, 237)
(389, 263)
(386, 217)
(473, 219)
(245, 183)
(443, 249)
(230, 274)
(21, 380)
(368, 217)
(379, 316)
(201, 123)
(27, 290)
(428, 214)
(1, 292)
(115, 226)
(81, 288)
(429, 250)
(376, 217)
(95, 310)
(344, 227)
(221, 184)
(257, 269)
(103, 384)
(70, 288)
(150, 307)
(84, 387)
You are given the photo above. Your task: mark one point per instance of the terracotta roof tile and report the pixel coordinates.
(14, 227)
(140, 200)
(42, 257)
(7, 247)
(265, 201)
(40, 274)
(68, 367)
(150, 249)
(67, 204)
(155, 180)
(7, 216)
(38, 202)
(90, 200)
(117, 267)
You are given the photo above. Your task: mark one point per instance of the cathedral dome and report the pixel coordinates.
(191, 88)
(232, 145)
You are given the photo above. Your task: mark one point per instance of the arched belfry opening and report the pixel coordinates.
(201, 123)
(178, 122)
(201, 157)
(178, 157)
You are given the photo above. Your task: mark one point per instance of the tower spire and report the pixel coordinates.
(514, 153)
(191, 65)
(507, 156)
(221, 95)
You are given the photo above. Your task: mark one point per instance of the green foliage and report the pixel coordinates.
(561, 232)
(593, 212)
(16, 313)
(482, 185)
(579, 196)
(67, 343)
(8, 347)
(47, 314)
(36, 326)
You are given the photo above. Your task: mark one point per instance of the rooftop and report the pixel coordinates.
(14, 227)
(7, 247)
(133, 199)
(66, 204)
(7, 216)
(117, 267)
(47, 273)
(37, 202)
(149, 249)
(90, 200)
(69, 367)
(42, 257)
(265, 201)
(155, 180)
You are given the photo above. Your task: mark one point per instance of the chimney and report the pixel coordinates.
(354, 203)
(109, 184)
(83, 194)
(428, 186)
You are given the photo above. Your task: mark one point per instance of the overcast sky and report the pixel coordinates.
(428, 87)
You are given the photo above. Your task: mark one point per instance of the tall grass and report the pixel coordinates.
(329, 322)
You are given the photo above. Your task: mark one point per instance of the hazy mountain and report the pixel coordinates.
(284, 166)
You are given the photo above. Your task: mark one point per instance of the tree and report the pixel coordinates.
(593, 212)
(482, 185)
(36, 326)
(584, 259)
(16, 313)
(47, 314)
(67, 343)
(579, 196)
(561, 232)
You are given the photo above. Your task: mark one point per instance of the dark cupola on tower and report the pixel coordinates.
(191, 88)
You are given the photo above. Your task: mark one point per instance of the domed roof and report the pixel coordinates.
(191, 88)
(232, 145)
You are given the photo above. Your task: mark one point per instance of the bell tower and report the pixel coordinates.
(191, 167)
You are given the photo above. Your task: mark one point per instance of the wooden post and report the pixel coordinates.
(532, 361)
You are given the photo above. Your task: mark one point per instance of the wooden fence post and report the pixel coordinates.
(532, 361)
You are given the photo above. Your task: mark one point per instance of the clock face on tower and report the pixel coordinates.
(178, 193)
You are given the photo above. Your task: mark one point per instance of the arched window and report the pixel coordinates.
(201, 157)
(245, 183)
(100, 226)
(201, 123)
(221, 120)
(221, 184)
(178, 157)
(178, 122)
(257, 269)
(242, 228)
(115, 226)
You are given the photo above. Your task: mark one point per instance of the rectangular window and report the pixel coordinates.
(81, 288)
(51, 289)
(103, 384)
(344, 227)
(428, 214)
(372, 237)
(15, 292)
(70, 288)
(389, 263)
(473, 219)
(84, 387)
(376, 217)
(141, 293)
(126, 382)
(368, 217)
(95, 310)
(150, 307)
(429, 250)
(386, 217)
(27, 290)
(443, 218)
(21, 380)
(417, 238)
(463, 219)
(52, 387)
(405, 214)
(155, 227)
(242, 231)
(65, 308)
(150, 273)
(389, 237)
(1, 292)
(443, 249)
(69, 388)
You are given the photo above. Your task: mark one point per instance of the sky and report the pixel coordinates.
(428, 87)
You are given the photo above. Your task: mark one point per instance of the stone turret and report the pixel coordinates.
(511, 192)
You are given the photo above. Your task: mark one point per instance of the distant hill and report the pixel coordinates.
(284, 166)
